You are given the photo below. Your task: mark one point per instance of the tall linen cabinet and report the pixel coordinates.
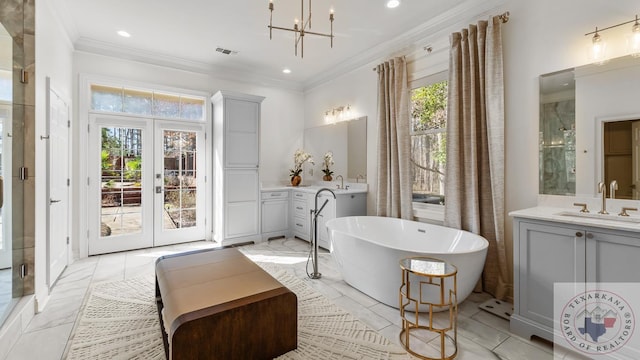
(236, 157)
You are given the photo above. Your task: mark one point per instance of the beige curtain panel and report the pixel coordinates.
(474, 185)
(394, 142)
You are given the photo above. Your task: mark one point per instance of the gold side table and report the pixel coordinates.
(419, 276)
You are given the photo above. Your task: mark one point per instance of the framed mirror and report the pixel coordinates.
(599, 147)
(347, 140)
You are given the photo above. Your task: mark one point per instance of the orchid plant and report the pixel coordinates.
(327, 161)
(299, 158)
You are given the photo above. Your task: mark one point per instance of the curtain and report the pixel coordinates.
(394, 143)
(474, 186)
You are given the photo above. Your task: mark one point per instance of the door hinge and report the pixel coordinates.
(24, 174)
(205, 136)
(87, 233)
(24, 76)
(68, 123)
(23, 271)
(88, 128)
(88, 182)
(67, 240)
(68, 182)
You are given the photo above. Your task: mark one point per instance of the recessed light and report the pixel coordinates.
(124, 34)
(393, 4)
(286, 71)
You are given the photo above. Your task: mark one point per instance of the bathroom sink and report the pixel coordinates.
(610, 217)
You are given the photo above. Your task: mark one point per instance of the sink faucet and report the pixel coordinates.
(602, 188)
(613, 186)
(341, 181)
(360, 177)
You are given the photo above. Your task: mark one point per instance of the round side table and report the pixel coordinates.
(433, 289)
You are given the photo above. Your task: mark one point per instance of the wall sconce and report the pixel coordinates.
(337, 114)
(598, 48)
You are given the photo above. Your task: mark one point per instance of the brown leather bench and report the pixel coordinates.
(218, 304)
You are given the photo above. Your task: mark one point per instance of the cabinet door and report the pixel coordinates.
(275, 216)
(547, 254)
(612, 257)
(241, 133)
(241, 203)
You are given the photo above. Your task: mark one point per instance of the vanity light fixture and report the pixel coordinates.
(597, 51)
(337, 114)
(634, 40)
(300, 27)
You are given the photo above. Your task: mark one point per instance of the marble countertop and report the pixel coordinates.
(574, 216)
(354, 188)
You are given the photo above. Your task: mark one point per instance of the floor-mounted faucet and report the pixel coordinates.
(602, 188)
(315, 212)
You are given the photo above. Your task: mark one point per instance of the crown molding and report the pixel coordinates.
(224, 73)
(435, 30)
(60, 11)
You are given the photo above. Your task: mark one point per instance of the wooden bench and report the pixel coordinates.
(218, 304)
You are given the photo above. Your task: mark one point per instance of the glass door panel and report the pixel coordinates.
(180, 180)
(123, 151)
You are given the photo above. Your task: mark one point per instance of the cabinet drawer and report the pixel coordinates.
(299, 195)
(300, 209)
(301, 227)
(266, 195)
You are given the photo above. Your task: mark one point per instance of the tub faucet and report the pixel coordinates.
(341, 181)
(602, 188)
(315, 212)
(613, 186)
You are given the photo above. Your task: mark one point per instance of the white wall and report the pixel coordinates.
(53, 60)
(540, 37)
(281, 125)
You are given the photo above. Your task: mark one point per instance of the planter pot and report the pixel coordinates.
(295, 180)
(327, 178)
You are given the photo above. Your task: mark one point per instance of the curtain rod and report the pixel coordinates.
(504, 17)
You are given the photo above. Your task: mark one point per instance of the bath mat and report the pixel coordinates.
(120, 321)
(497, 307)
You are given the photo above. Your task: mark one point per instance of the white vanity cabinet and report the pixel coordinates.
(275, 214)
(300, 218)
(236, 133)
(546, 252)
(303, 201)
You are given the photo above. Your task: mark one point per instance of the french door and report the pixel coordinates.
(149, 188)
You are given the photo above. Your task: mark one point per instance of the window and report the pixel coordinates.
(146, 103)
(428, 139)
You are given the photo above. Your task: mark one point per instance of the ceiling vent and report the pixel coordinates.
(226, 51)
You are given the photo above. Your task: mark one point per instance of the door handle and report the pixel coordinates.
(158, 189)
(51, 201)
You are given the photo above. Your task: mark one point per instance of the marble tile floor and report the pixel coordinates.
(480, 334)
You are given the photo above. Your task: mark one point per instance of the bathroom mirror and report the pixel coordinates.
(572, 160)
(347, 140)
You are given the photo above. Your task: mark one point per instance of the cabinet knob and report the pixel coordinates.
(578, 234)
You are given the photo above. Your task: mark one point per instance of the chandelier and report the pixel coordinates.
(300, 28)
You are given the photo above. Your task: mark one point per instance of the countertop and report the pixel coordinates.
(354, 188)
(573, 216)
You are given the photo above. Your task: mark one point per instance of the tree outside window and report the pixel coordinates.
(428, 142)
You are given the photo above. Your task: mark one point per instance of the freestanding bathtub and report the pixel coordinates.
(368, 249)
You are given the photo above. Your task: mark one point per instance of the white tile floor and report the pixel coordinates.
(480, 334)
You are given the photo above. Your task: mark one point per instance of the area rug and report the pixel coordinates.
(120, 321)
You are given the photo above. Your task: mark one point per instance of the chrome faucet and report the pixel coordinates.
(613, 186)
(602, 188)
(360, 177)
(315, 212)
(341, 181)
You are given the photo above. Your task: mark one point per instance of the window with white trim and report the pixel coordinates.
(428, 138)
(164, 105)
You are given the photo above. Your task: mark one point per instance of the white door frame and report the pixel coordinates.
(58, 244)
